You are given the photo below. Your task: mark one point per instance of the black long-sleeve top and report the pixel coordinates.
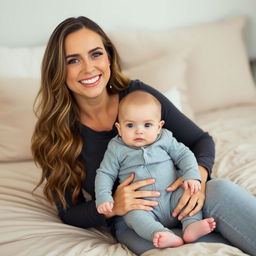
(84, 214)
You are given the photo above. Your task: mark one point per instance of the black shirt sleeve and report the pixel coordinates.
(83, 214)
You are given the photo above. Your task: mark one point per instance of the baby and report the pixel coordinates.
(150, 151)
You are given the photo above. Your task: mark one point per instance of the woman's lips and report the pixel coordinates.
(92, 81)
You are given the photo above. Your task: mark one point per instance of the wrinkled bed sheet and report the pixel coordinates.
(234, 133)
(30, 226)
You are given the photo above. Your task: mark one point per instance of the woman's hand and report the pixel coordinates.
(127, 198)
(191, 203)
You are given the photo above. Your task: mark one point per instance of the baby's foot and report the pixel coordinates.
(166, 239)
(198, 229)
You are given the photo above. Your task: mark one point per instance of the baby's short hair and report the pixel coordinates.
(139, 98)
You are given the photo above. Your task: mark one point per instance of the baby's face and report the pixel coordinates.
(139, 126)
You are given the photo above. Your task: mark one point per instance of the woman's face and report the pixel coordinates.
(88, 65)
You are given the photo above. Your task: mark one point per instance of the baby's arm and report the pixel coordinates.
(106, 175)
(193, 185)
(105, 207)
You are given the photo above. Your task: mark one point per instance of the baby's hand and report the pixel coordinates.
(193, 185)
(105, 208)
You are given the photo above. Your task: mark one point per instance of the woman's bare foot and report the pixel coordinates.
(166, 239)
(198, 229)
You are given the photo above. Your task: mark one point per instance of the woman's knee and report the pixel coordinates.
(223, 193)
(217, 191)
(219, 187)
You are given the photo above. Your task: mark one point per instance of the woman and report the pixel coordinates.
(77, 107)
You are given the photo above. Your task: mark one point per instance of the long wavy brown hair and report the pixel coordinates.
(56, 142)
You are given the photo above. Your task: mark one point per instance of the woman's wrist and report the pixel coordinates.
(110, 214)
(204, 176)
(204, 173)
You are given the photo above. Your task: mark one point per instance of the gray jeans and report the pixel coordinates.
(233, 209)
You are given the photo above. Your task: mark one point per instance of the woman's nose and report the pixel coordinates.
(87, 66)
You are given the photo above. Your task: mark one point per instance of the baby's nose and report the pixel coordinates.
(139, 129)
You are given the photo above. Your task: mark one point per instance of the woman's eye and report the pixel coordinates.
(72, 61)
(129, 125)
(97, 54)
(147, 124)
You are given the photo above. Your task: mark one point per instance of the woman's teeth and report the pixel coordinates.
(90, 81)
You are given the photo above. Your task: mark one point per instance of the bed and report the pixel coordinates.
(204, 70)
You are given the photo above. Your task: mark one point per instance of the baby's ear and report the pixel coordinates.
(161, 123)
(118, 128)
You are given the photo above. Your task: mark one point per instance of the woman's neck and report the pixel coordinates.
(99, 113)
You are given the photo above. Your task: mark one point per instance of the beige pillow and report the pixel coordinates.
(218, 70)
(168, 75)
(219, 74)
(16, 117)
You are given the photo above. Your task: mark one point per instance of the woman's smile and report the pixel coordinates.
(90, 82)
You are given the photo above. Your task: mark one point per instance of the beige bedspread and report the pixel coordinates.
(234, 132)
(30, 226)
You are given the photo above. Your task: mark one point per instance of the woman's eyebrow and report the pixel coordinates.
(77, 55)
(95, 49)
(71, 56)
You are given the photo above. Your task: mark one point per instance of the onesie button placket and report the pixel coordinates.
(146, 161)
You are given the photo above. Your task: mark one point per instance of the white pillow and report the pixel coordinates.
(168, 75)
(21, 61)
(218, 70)
(16, 117)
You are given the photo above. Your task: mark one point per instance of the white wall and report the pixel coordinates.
(30, 22)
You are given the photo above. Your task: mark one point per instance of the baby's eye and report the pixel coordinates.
(129, 125)
(72, 61)
(147, 124)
